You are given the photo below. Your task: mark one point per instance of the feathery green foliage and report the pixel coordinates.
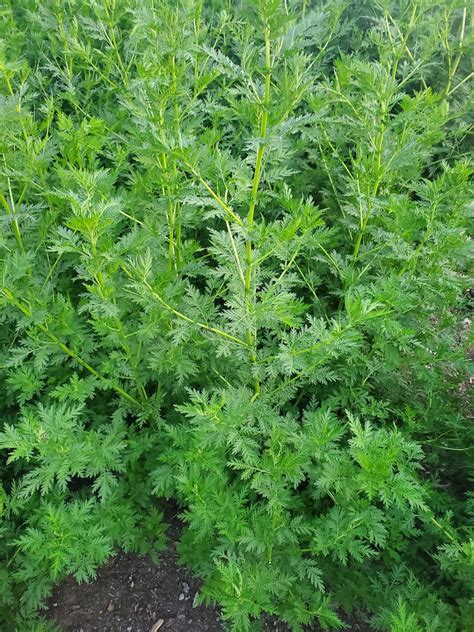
(234, 252)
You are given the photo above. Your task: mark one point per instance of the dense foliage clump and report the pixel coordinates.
(233, 255)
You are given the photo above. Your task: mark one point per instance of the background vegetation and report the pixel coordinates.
(233, 246)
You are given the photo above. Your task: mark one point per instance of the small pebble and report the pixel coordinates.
(181, 597)
(110, 607)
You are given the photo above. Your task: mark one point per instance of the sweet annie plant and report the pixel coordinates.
(233, 267)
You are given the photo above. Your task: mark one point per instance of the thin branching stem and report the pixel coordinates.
(182, 316)
(67, 350)
(15, 226)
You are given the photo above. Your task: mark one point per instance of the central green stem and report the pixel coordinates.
(249, 289)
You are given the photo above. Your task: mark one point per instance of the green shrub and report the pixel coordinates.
(234, 243)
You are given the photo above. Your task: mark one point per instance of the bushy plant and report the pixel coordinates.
(233, 251)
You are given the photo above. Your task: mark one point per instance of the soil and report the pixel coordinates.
(134, 594)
